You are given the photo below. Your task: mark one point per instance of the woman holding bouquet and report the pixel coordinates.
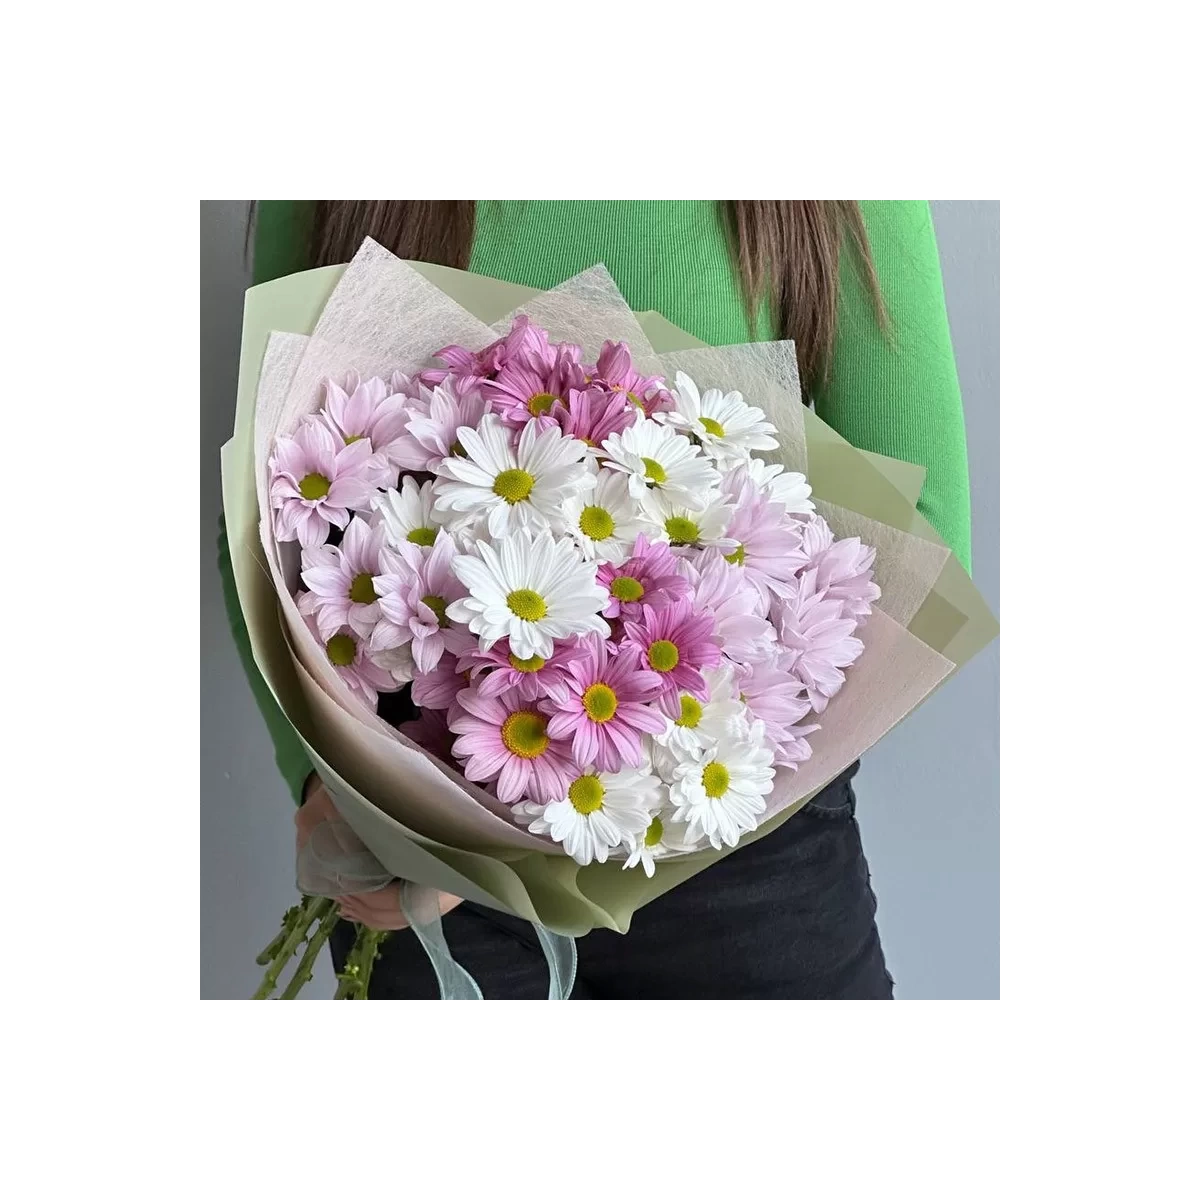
(858, 288)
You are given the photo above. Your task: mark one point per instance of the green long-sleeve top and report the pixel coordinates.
(896, 395)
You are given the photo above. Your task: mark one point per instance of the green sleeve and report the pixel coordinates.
(290, 755)
(280, 248)
(900, 395)
(281, 238)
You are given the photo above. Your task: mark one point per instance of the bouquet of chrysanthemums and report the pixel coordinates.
(552, 594)
(610, 612)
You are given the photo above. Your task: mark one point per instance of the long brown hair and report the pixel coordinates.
(788, 254)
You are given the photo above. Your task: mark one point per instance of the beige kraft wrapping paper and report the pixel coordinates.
(419, 817)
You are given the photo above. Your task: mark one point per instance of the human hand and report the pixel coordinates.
(378, 909)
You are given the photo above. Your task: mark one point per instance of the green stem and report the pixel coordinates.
(289, 919)
(355, 978)
(347, 988)
(371, 943)
(304, 967)
(312, 908)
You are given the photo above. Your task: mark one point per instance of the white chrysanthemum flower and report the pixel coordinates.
(530, 590)
(521, 488)
(690, 525)
(601, 811)
(728, 428)
(789, 488)
(408, 515)
(697, 726)
(605, 522)
(398, 660)
(722, 792)
(662, 836)
(657, 459)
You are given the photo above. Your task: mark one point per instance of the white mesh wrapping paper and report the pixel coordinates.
(906, 566)
(383, 316)
(588, 310)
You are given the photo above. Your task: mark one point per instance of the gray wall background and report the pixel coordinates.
(928, 793)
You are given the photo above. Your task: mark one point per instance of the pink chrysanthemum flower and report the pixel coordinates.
(676, 642)
(842, 568)
(615, 368)
(414, 590)
(592, 416)
(608, 706)
(434, 419)
(316, 482)
(820, 637)
(431, 733)
(529, 384)
(505, 738)
(524, 342)
(341, 580)
(769, 544)
(367, 409)
(740, 626)
(438, 688)
(404, 385)
(532, 678)
(650, 576)
(348, 654)
(776, 698)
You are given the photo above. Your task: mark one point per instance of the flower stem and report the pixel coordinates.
(312, 908)
(355, 977)
(371, 942)
(304, 967)
(289, 919)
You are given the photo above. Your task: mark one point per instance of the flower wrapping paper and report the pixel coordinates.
(421, 819)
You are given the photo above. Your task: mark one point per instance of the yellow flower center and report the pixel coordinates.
(682, 531)
(597, 523)
(738, 557)
(456, 450)
(439, 609)
(690, 712)
(513, 485)
(340, 649)
(527, 666)
(314, 487)
(654, 832)
(713, 427)
(664, 655)
(600, 702)
(352, 438)
(654, 471)
(715, 778)
(524, 734)
(586, 795)
(541, 403)
(626, 589)
(527, 605)
(362, 589)
(423, 536)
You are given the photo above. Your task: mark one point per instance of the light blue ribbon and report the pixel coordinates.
(424, 916)
(562, 960)
(421, 910)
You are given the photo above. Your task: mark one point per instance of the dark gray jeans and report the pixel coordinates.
(789, 917)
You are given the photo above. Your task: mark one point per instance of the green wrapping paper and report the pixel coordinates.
(423, 821)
